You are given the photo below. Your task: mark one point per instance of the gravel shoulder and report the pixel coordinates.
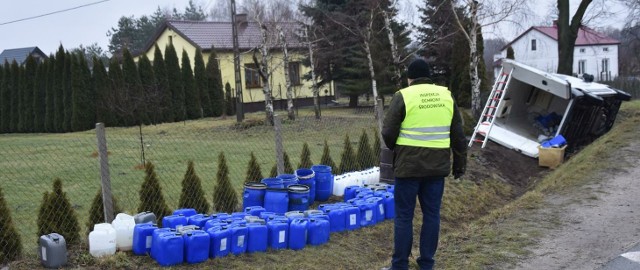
(594, 223)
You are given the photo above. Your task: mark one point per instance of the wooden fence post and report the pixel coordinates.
(105, 178)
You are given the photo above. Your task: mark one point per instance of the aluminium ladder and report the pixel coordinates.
(491, 109)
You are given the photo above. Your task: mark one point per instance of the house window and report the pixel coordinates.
(170, 39)
(582, 66)
(582, 50)
(251, 76)
(605, 65)
(605, 49)
(533, 45)
(294, 73)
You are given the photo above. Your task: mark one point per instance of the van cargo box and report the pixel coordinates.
(537, 105)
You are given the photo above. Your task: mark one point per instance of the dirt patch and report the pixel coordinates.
(507, 165)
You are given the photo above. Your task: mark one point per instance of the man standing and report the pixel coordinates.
(422, 127)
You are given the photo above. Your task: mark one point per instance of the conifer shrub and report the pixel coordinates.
(364, 156)
(274, 170)
(376, 147)
(151, 198)
(326, 157)
(348, 162)
(57, 215)
(305, 157)
(254, 172)
(96, 212)
(287, 163)
(10, 242)
(225, 198)
(192, 195)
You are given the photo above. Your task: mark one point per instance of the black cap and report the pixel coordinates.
(418, 69)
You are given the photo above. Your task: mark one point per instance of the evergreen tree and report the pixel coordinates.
(191, 95)
(175, 83)
(214, 85)
(438, 31)
(200, 76)
(82, 117)
(49, 125)
(10, 242)
(376, 147)
(305, 157)
(510, 53)
(59, 216)
(135, 93)
(96, 212)
(44, 223)
(150, 91)
(348, 162)
(14, 92)
(66, 93)
(254, 172)
(58, 90)
(5, 98)
(27, 112)
(151, 198)
(230, 105)
(364, 156)
(102, 88)
(326, 157)
(117, 89)
(165, 110)
(192, 195)
(224, 197)
(39, 97)
(288, 168)
(274, 170)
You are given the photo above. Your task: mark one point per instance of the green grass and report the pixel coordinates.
(30, 162)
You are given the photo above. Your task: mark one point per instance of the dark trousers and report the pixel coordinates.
(429, 191)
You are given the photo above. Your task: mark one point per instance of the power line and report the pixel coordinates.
(55, 12)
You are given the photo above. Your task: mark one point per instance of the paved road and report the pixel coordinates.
(601, 222)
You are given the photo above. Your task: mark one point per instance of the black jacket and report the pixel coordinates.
(410, 161)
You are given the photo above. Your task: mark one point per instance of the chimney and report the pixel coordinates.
(241, 19)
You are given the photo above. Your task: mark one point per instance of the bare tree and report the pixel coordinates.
(487, 13)
(314, 81)
(285, 62)
(264, 71)
(395, 54)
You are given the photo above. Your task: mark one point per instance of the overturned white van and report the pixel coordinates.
(536, 105)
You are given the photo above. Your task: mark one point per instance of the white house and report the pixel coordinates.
(594, 53)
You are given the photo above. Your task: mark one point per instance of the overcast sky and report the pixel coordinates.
(90, 24)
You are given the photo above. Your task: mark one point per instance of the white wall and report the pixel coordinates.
(593, 55)
(545, 57)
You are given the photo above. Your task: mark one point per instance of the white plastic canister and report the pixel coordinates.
(102, 240)
(124, 224)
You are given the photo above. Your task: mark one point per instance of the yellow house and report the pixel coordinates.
(189, 35)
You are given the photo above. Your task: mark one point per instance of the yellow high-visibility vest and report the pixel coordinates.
(428, 114)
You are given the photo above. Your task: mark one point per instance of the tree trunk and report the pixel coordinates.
(394, 51)
(372, 73)
(314, 87)
(476, 107)
(353, 101)
(291, 114)
(568, 33)
(263, 69)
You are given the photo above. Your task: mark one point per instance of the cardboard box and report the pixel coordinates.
(550, 157)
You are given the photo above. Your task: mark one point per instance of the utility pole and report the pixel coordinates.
(236, 64)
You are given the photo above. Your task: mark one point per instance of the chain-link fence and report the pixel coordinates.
(30, 162)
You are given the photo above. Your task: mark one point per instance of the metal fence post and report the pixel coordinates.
(277, 124)
(105, 178)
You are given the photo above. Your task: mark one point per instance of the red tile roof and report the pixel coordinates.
(586, 36)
